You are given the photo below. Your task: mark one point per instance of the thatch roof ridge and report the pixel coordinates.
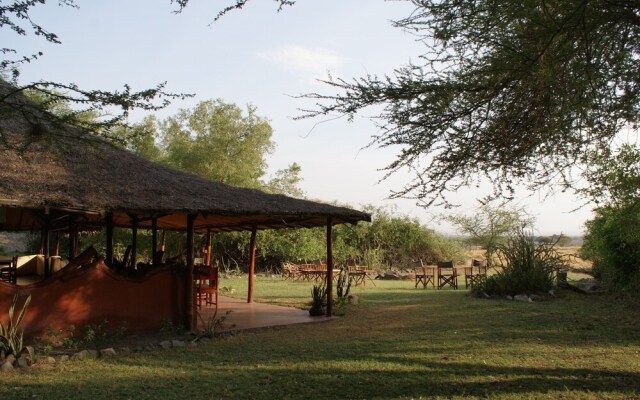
(63, 167)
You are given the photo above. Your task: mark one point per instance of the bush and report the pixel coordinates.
(318, 300)
(527, 267)
(612, 242)
(11, 339)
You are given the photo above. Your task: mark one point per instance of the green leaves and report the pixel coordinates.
(527, 267)
(11, 340)
(511, 92)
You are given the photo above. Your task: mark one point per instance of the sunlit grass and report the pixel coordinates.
(399, 343)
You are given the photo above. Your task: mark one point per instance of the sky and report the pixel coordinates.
(265, 58)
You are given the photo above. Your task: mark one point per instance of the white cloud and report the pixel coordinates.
(307, 63)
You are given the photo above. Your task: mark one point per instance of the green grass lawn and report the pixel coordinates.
(399, 343)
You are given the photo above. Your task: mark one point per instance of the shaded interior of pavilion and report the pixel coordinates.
(173, 278)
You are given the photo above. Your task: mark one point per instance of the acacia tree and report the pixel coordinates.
(490, 225)
(512, 91)
(516, 92)
(109, 109)
(219, 142)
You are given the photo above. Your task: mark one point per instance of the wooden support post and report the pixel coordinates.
(207, 260)
(252, 263)
(56, 250)
(329, 267)
(154, 239)
(190, 321)
(109, 249)
(134, 241)
(45, 249)
(72, 238)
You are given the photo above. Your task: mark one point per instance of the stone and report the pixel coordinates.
(92, 354)
(6, 367)
(28, 350)
(521, 297)
(178, 343)
(10, 359)
(535, 297)
(47, 360)
(165, 344)
(552, 293)
(353, 299)
(63, 358)
(193, 343)
(124, 350)
(392, 276)
(81, 355)
(108, 353)
(22, 362)
(204, 339)
(508, 297)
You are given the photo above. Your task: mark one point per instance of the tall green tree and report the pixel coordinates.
(612, 237)
(286, 181)
(219, 142)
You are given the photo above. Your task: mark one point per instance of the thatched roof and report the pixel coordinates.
(62, 169)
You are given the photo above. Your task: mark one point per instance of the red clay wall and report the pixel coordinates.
(93, 293)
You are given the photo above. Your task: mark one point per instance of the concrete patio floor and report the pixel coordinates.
(247, 316)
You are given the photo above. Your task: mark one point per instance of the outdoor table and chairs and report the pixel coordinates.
(207, 281)
(307, 272)
(445, 274)
(360, 274)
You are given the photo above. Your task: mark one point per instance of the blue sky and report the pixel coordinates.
(260, 57)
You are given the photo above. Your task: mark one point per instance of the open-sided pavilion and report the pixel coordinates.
(57, 178)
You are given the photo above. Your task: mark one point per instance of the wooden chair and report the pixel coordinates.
(447, 275)
(418, 268)
(9, 273)
(430, 275)
(289, 271)
(473, 278)
(207, 285)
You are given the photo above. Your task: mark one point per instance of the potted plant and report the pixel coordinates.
(318, 300)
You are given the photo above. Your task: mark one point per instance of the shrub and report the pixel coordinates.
(343, 285)
(11, 340)
(213, 325)
(318, 300)
(527, 267)
(612, 242)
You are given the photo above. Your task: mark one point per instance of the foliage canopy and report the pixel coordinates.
(512, 92)
(612, 239)
(110, 108)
